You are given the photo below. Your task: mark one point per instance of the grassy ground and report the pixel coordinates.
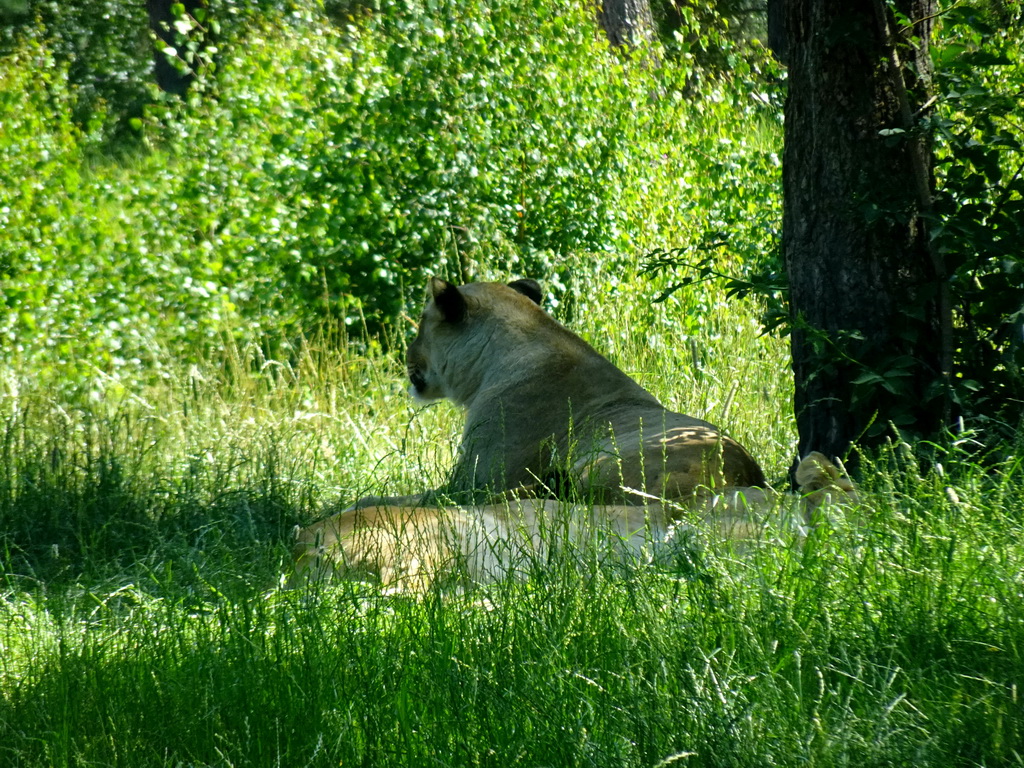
(144, 529)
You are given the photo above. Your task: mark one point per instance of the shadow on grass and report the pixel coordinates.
(91, 501)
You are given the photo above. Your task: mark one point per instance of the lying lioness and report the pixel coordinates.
(547, 415)
(407, 548)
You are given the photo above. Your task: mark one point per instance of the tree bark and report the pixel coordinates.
(627, 23)
(778, 39)
(864, 288)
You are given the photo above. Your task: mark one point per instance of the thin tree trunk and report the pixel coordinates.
(864, 289)
(161, 21)
(629, 24)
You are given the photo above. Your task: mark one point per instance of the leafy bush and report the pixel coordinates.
(319, 172)
(464, 135)
(980, 207)
(103, 50)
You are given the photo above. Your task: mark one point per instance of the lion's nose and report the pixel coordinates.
(418, 381)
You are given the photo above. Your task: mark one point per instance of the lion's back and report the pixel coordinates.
(656, 452)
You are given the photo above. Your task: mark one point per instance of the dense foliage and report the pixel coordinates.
(321, 166)
(328, 158)
(979, 211)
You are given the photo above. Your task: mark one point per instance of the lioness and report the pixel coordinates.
(546, 414)
(408, 548)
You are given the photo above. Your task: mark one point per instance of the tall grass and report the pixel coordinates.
(145, 528)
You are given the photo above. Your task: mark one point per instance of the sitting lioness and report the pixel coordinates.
(547, 415)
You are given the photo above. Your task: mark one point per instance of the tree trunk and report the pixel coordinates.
(161, 21)
(864, 288)
(778, 39)
(628, 23)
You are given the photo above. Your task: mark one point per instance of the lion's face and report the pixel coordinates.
(454, 333)
(425, 382)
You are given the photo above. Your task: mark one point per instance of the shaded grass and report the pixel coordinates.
(830, 655)
(218, 458)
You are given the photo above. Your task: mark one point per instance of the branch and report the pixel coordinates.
(919, 165)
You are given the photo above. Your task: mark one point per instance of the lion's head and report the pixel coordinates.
(457, 331)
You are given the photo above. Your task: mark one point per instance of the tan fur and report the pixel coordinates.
(545, 410)
(408, 548)
(819, 479)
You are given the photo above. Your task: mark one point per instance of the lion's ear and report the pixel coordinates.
(448, 300)
(529, 288)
